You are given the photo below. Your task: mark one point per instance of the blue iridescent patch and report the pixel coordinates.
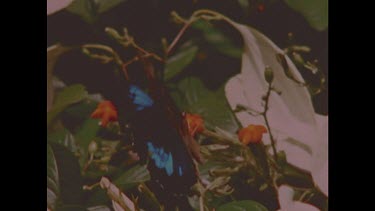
(139, 98)
(161, 158)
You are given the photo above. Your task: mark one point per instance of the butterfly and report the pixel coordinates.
(162, 141)
(161, 136)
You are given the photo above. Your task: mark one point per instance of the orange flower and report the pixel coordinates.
(251, 134)
(105, 111)
(195, 123)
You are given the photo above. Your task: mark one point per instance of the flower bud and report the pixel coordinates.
(268, 74)
(93, 147)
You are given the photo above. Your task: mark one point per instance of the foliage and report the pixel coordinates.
(227, 73)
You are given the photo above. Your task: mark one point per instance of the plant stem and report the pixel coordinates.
(179, 35)
(201, 203)
(264, 114)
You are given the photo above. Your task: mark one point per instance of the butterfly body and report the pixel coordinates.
(160, 140)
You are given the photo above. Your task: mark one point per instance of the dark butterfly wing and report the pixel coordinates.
(157, 137)
(160, 137)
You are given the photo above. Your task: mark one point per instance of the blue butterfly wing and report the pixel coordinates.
(157, 138)
(139, 98)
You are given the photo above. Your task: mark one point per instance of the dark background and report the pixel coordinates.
(149, 21)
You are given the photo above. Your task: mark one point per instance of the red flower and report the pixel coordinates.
(251, 134)
(195, 123)
(105, 111)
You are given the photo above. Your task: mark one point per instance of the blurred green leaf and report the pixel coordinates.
(133, 176)
(65, 138)
(53, 189)
(53, 54)
(207, 166)
(85, 135)
(85, 9)
(74, 116)
(89, 10)
(69, 95)
(315, 11)
(245, 205)
(217, 39)
(105, 5)
(125, 181)
(82, 109)
(192, 96)
(296, 177)
(179, 61)
(243, 3)
(69, 174)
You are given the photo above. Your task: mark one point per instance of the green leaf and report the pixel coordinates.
(69, 95)
(82, 109)
(179, 61)
(244, 3)
(85, 135)
(296, 177)
(125, 181)
(69, 174)
(135, 175)
(315, 11)
(85, 9)
(217, 39)
(53, 54)
(53, 189)
(192, 96)
(245, 205)
(64, 138)
(89, 10)
(105, 5)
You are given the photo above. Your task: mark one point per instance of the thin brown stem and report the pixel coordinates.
(264, 114)
(178, 37)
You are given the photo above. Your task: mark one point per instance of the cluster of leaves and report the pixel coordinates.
(80, 153)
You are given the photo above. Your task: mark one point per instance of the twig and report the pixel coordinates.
(179, 35)
(264, 114)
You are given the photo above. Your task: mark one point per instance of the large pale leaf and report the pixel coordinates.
(120, 201)
(56, 5)
(291, 115)
(315, 11)
(288, 204)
